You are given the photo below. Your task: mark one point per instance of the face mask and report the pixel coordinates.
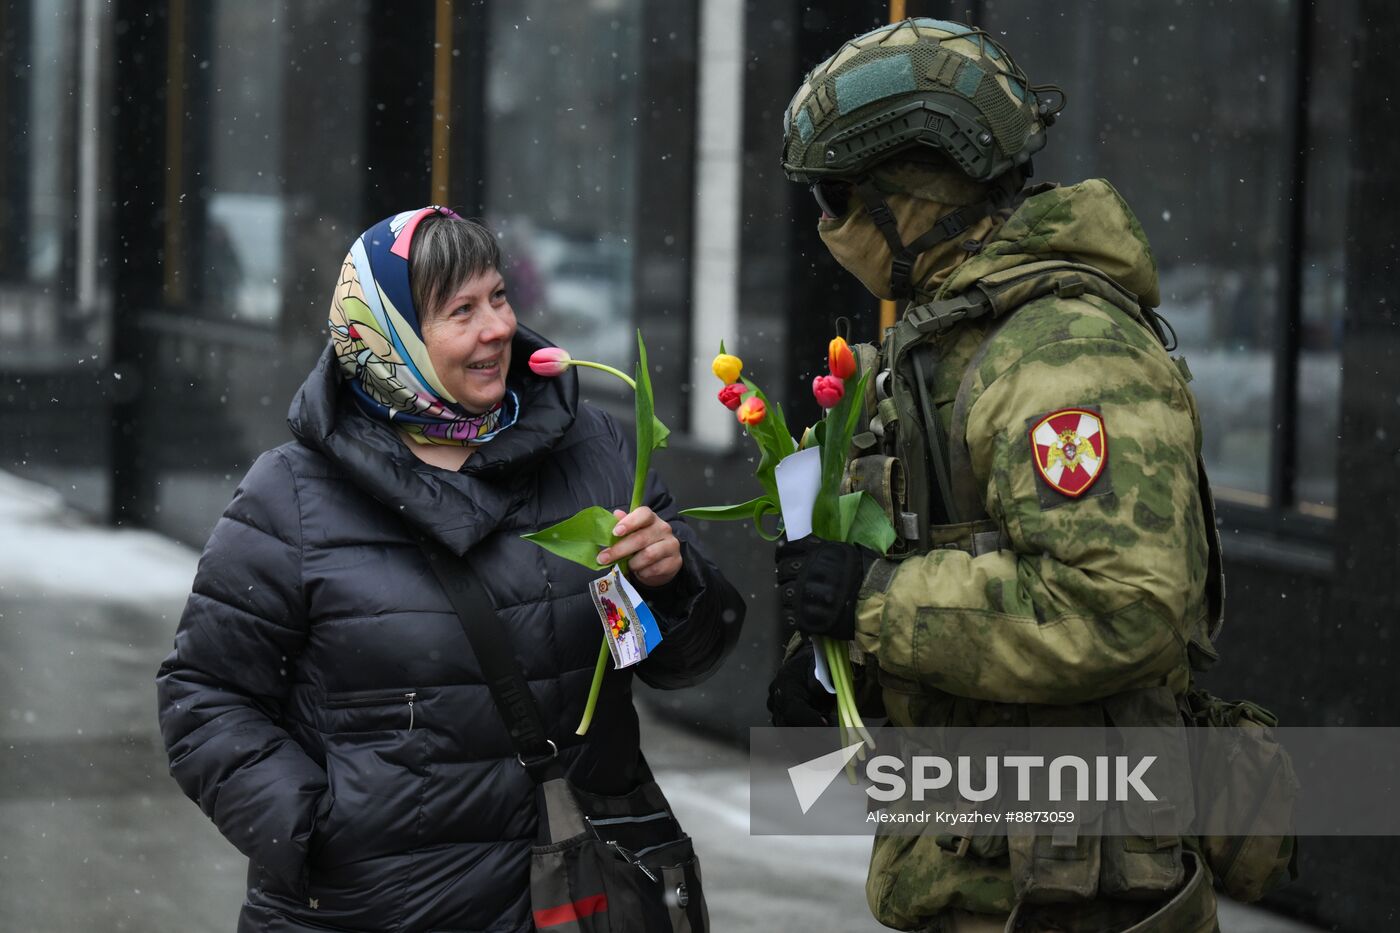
(860, 248)
(918, 194)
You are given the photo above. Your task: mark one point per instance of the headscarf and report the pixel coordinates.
(378, 339)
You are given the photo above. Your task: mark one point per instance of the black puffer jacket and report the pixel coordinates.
(322, 704)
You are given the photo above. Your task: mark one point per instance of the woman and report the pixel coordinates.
(322, 704)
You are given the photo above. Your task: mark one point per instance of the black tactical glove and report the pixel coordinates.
(818, 582)
(796, 697)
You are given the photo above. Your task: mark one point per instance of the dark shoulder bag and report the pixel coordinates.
(600, 864)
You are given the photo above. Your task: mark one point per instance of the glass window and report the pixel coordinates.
(54, 310)
(562, 110)
(1324, 234)
(40, 97)
(236, 155)
(1186, 109)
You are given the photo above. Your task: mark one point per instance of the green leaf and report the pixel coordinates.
(871, 528)
(773, 439)
(727, 513)
(579, 538)
(755, 510)
(651, 433)
(840, 425)
(846, 512)
(768, 508)
(774, 427)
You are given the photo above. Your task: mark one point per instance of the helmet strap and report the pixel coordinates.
(950, 225)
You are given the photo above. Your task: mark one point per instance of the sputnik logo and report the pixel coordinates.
(811, 778)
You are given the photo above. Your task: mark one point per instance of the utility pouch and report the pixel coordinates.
(1058, 863)
(1244, 770)
(1142, 847)
(1060, 867)
(1141, 862)
(971, 839)
(880, 476)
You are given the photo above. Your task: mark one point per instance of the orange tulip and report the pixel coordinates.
(752, 412)
(839, 359)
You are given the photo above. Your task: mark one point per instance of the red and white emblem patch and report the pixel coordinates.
(1070, 448)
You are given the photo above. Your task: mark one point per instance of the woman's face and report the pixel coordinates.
(468, 339)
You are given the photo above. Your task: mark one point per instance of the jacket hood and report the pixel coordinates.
(1087, 223)
(459, 508)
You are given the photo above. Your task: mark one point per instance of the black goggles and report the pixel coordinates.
(833, 197)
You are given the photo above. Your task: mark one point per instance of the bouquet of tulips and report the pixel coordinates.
(852, 517)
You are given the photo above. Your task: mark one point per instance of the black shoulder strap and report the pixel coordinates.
(487, 636)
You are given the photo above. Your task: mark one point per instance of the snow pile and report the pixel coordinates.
(46, 550)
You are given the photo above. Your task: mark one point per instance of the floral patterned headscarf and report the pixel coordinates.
(378, 339)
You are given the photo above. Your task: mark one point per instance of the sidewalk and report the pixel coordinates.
(99, 838)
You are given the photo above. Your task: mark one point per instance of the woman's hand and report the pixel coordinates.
(649, 544)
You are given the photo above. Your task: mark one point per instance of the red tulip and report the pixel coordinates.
(752, 411)
(829, 390)
(840, 360)
(549, 361)
(731, 395)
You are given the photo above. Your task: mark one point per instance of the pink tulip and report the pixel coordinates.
(549, 361)
(829, 390)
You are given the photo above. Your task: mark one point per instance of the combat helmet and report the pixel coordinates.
(920, 88)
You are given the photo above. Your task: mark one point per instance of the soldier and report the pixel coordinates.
(1037, 451)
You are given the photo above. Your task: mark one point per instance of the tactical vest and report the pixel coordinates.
(921, 475)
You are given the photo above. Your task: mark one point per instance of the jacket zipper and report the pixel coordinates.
(375, 698)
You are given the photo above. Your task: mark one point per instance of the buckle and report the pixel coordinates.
(953, 224)
(880, 213)
(937, 316)
(901, 267)
(535, 762)
(1071, 286)
(955, 844)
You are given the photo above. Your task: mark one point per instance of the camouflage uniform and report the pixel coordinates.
(1088, 597)
(1038, 607)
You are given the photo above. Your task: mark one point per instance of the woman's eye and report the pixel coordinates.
(499, 296)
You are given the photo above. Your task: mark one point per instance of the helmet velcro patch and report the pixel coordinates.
(968, 79)
(872, 81)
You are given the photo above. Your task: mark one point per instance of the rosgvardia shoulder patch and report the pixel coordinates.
(1070, 449)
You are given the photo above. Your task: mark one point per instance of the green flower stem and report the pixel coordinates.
(843, 679)
(638, 486)
(592, 704)
(603, 367)
(844, 662)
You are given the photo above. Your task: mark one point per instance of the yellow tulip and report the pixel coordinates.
(727, 367)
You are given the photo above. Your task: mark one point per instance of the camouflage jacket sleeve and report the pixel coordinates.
(1097, 593)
